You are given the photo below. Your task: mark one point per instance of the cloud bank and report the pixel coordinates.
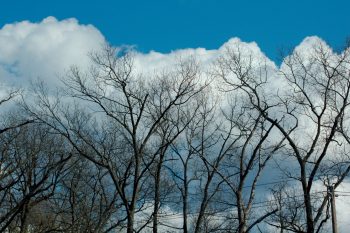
(47, 49)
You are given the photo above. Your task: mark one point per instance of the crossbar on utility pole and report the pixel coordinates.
(334, 212)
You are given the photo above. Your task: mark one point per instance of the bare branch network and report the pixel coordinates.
(241, 147)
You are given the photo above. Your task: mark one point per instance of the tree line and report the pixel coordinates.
(182, 149)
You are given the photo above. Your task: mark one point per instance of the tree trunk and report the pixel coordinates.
(184, 200)
(130, 225)
(203, 204)
(157, 196)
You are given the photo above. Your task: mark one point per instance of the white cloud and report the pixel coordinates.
(154, 60)
(45, 50)
(48, 48)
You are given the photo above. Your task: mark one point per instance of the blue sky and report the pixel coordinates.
(160, 25)
(165, 25)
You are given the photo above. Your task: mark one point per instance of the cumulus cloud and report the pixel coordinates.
(153, 60)
(45, 50)
(48, 48)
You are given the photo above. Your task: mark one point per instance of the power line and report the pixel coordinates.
(341, 191)
(225, 212)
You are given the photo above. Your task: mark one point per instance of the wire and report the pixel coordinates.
(341, 191)
(222, 213)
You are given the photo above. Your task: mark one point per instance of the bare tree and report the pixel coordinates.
(108, 152)
(125, 143)
(224, 152)
(308, 113)
(174, 123)
(33, 161)
(84, 201)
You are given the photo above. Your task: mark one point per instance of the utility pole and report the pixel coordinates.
(334, 213)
